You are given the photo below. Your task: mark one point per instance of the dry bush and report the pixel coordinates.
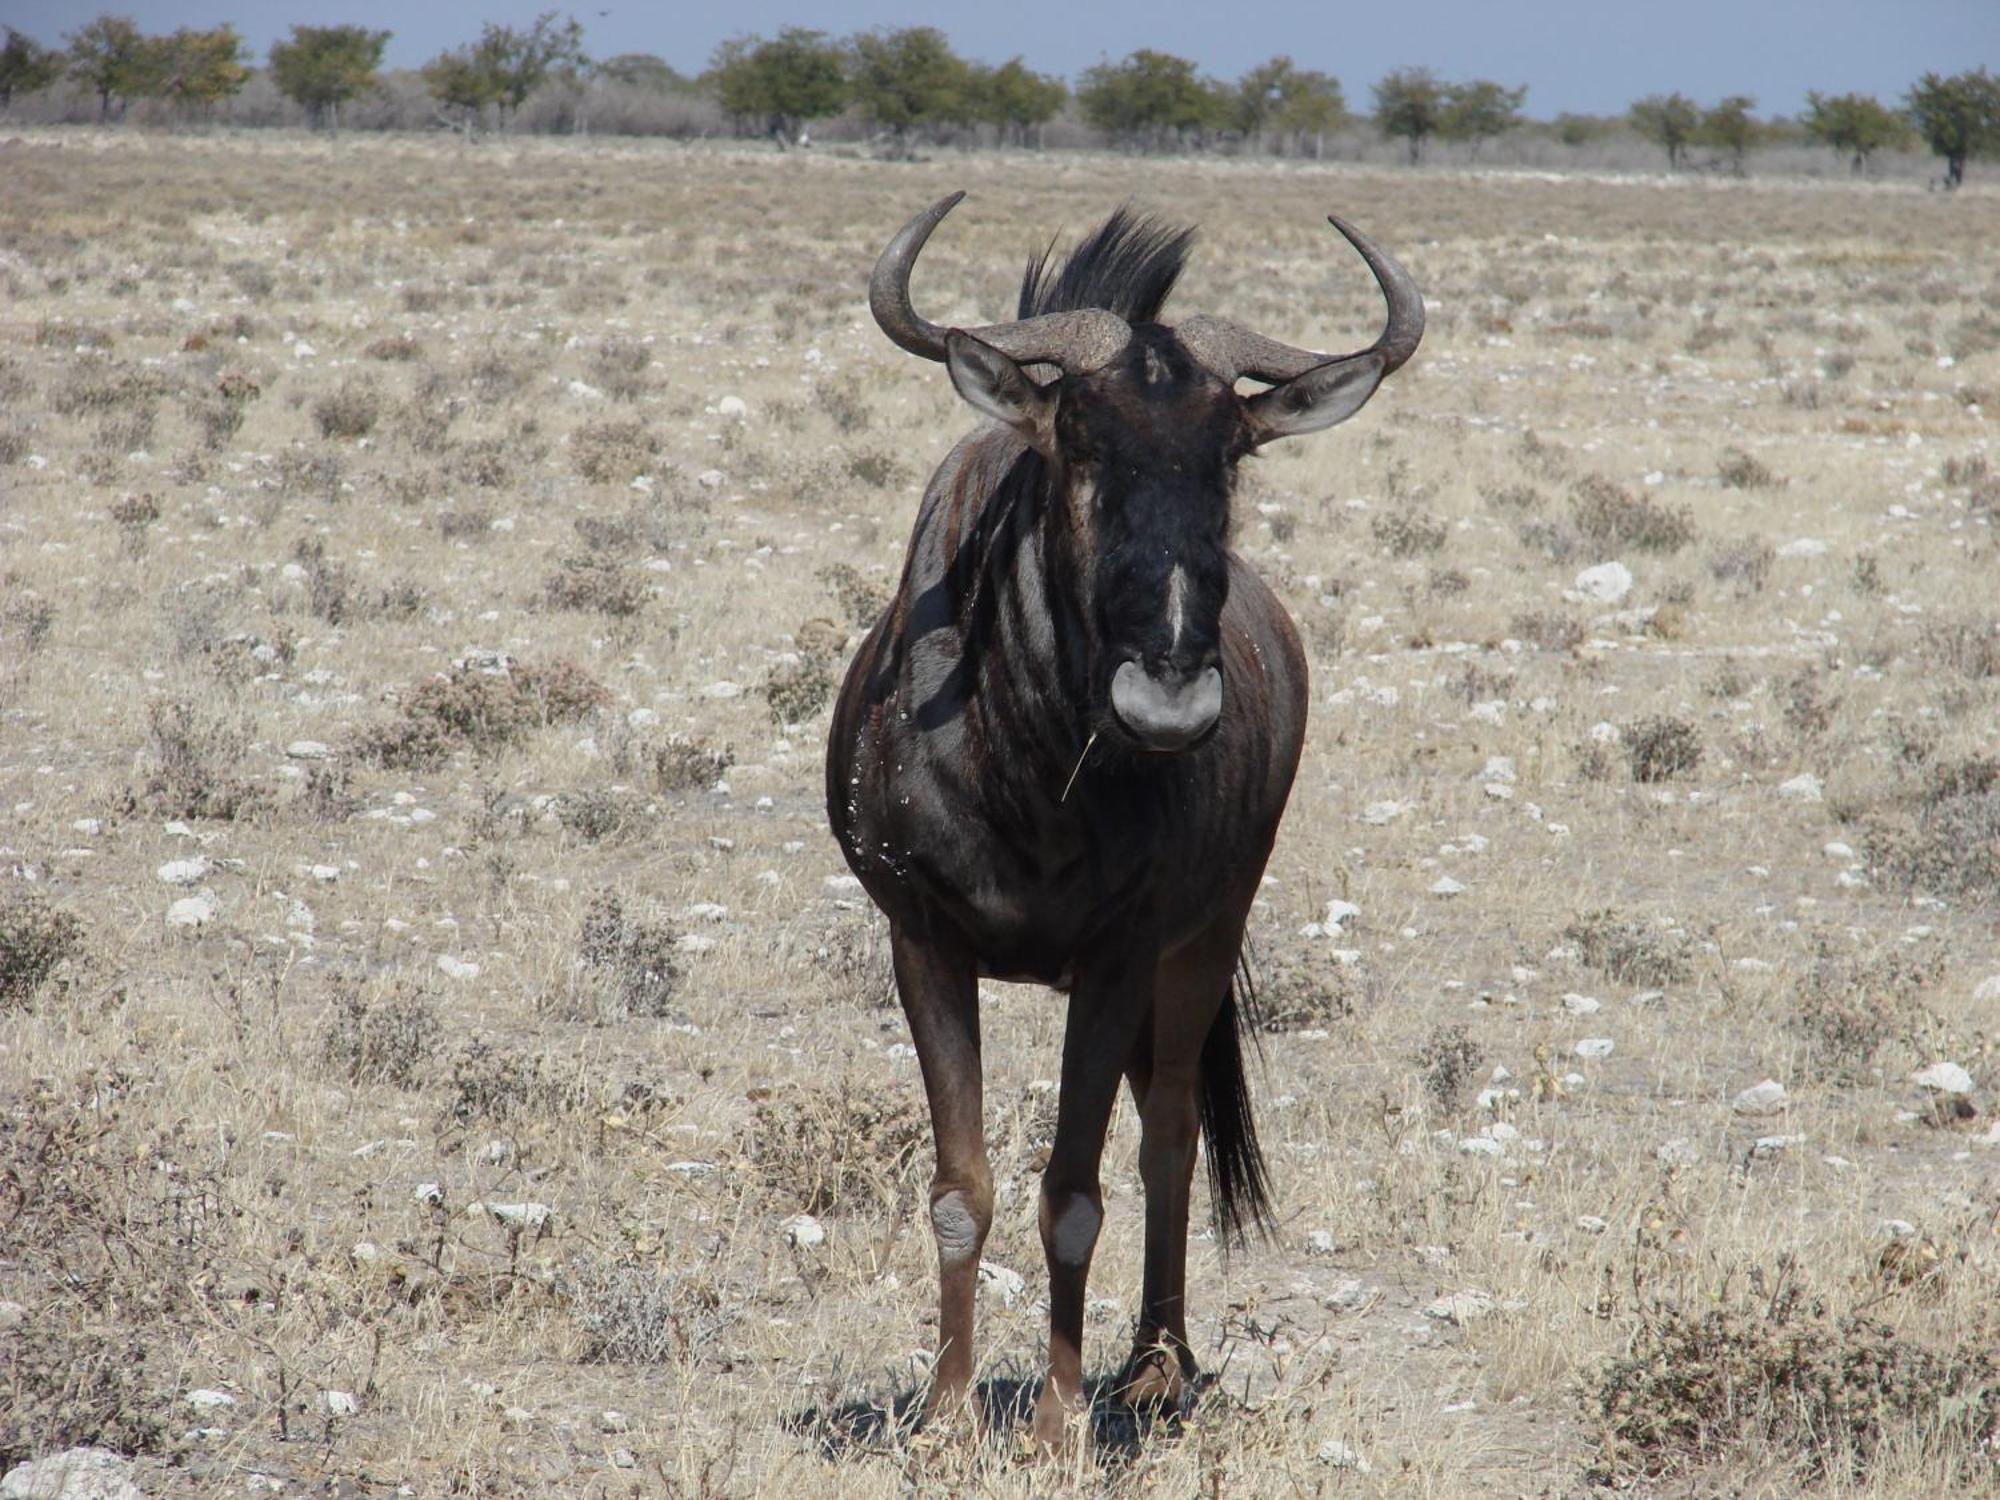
(595, 585)
(1739, 470)
(861, 599)
(67, 1381)
(191, 755)
(488, 1084)
(878, 468)
(1548, 630)
(626, 965)
(465, 523)
(396, 348)
(845, 1148)
(614, 450)
(1823, 1389)
(798, 690)
(1850, 1005)
(1968, 645)
(1661, 747)
(620, 368)
(1614, 517)
(1743, 565)
(349, 411)
(36, 940)
(382, 1038)
(1630, 949)
(1413, 533)
(1448, 1061)
(481, 711)
(597, 813)
(688, 763)
(1296, 992)
(842, 405)
(631, 1313)
(1943, 835)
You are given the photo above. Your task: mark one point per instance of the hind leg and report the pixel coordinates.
(1166, 1078)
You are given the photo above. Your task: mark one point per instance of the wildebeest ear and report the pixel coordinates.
(1324, 395)
(993, 383)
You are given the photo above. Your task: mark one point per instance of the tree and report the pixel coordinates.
(25, 66)
(1410, 103)
(322, 67)
(466, 79)
(116, 59)
(197, 68)
(642, 70)
(1016, 100)
(1479, 110)
(1580, 130)
(779, 84)
(1150, 98)
(1668, 120)
(1728, 127)
(1958, 117)
(1291, 102)
(505, 66)
(908, 81)
(1855, 125)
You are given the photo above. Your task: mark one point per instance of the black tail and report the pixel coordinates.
(1239, 1186)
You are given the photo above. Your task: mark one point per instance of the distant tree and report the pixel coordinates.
(1016, 100)
(323, 67)
(779, 85)
(466, 79)
(908, 81)
(505, 66)
(198, 68)
(1958, 117)
(642, 70)
(1150, 99)
(1410, 103)
(1729, 128)
(1477, 111)
(1670, 121)
(1855, 125)
(25, 66)
(116, 60)
(1581, 130)
(1290, 103)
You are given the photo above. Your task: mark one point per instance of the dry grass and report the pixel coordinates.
(453, 595)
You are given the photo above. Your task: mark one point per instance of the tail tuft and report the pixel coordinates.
(1239, 1185)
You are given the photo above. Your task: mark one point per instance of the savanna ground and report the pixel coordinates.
(423, 571)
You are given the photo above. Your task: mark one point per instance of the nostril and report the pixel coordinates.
(1167, 711)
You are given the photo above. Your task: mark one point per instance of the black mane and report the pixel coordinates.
(1129, 265)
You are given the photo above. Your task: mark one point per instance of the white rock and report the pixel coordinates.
(1943, 1078)
(723, 689)
(709, 479)
(1322, 1242)
(1987, 991)
(733, 407)
(1447, 887)
(1595, 1046)
(1592, 1223)
(1607, 583)
(1838, 850)
(515, 1215)
(457, 968)
(309, 750)
(1339, 914)
(1336, 1454)
(1765, 1098)
(612, 1420)
(842, 883)
(339, 1403)
(1499, 768)
(207, 1401)
(428, 1192)
(1805, 546)
(184, 871)
(79, 1474)
(1582, 1005)
(325, 874)
(1803, 788)
(194, 911)
(1460, 1308)
(1679, 1152)
(1383, 812)
(803, 1231)
(1604, 732)
(1009, 1284)
(706, 911)
(1771, 1145)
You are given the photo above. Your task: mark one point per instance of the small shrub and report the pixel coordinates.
(351, 411)
(1968, 645)
(1557, 543)
(629, 1313)
(595, 585)
(878, 468)
(620, 369)
(630, 959)
(800, 690)
(1631, 950)
(594, 814)
(190, 754)
(465, 523)
(1515, 497)
(1447, 1062)
(1807, 706)
(1743, 565)
(1741, 471)
(1614, 517)
(382, 1040)
(1944, 836)
(861, 599)
(847, 411)
(1662, 747)
(36, 940)
(134, 517)
(1297, 994)
(489, 1084)
(613, 451)
(1851, 1005)
(1411, 533)
(327, 796)
(1775, 1364)
(481, 711)
(1548, 630)
(63, 1386)
(848, 1147)
(396, 348)
(689, 764)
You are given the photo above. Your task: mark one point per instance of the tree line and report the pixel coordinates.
(908, 86)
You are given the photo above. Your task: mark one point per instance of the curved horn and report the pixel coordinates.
(1077, 342)
(1232, 351)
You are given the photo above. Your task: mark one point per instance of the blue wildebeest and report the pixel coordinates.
(1061, 754)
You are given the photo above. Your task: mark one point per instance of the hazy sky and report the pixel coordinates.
(1593, 56)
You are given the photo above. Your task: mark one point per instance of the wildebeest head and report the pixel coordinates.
(1142, 428)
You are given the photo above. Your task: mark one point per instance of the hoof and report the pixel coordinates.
(1156, 1379)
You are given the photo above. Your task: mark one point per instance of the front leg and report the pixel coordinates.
(1108, 1005)
(939, 988)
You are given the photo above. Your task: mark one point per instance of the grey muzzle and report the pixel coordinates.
(1166, 713)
